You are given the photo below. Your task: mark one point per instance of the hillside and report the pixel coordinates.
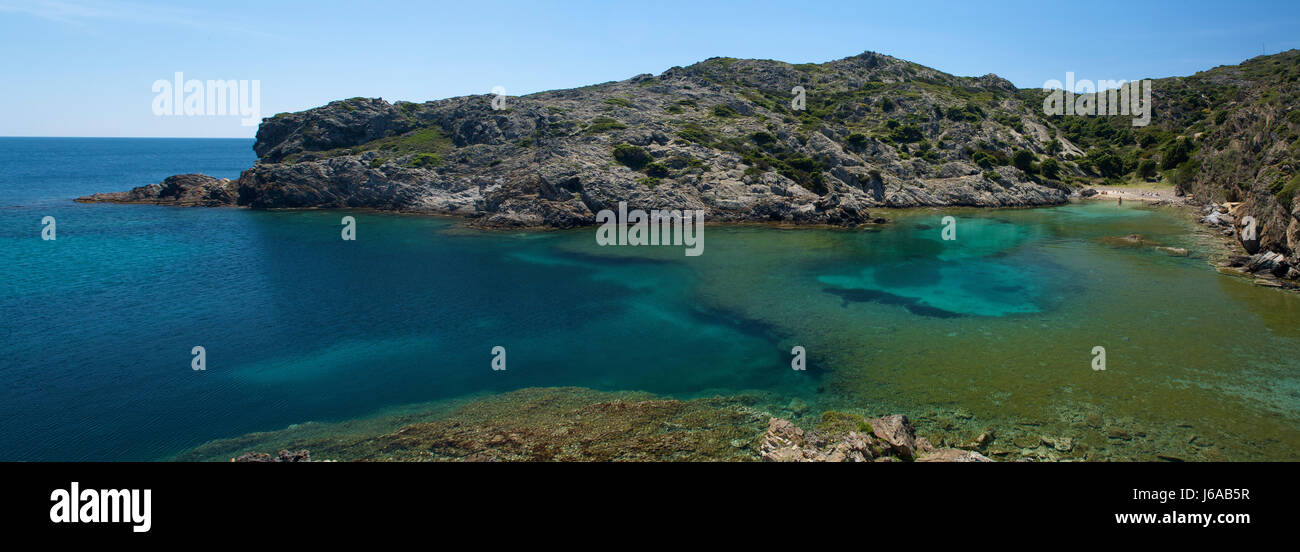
(722, 135)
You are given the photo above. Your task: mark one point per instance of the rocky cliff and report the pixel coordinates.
(767, 140)
(729, 136)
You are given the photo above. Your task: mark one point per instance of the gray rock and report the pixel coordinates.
(546, 160)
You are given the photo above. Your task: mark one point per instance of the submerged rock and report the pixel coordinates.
(284, 456)
(954, 455)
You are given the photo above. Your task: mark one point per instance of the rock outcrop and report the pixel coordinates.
(724, 136)
(187, 190)
(886, 439)
(1242, 151)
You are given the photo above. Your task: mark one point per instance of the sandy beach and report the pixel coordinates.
(1147, 192)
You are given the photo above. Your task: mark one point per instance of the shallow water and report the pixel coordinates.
(991, 330)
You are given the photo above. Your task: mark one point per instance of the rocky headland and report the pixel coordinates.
(724, 135)
(764, 140)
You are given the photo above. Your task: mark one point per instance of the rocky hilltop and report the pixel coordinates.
(725, 135)
(730, 136)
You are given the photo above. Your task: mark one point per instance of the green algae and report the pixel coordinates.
(834, 421)
(1190, 353)
(534, 424)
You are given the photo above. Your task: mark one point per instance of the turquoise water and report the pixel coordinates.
(300, 325)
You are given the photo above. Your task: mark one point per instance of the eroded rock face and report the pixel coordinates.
(714, 140)
(338, 124)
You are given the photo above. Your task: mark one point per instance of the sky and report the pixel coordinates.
(88, 67)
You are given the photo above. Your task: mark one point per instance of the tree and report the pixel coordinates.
(1146, 168)
(984, 160)
(1050, 168)
(1175, 153)
(1024, 160)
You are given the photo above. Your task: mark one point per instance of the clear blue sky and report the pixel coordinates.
(85, 67)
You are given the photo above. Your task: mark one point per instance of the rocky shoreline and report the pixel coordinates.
(577, 424)
(1262, 266)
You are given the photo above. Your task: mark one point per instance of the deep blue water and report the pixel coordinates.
(298, 324)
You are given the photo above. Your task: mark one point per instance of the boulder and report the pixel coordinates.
(897, 431)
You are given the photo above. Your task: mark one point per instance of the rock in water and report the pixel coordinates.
(185, 190)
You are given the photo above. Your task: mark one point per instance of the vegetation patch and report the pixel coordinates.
(634, 157)
(603, 124)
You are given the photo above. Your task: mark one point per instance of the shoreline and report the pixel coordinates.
(584, 424)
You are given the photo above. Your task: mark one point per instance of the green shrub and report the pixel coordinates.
(1050, 168)
(425, 161)
(968, 112)
(648, 181)
(984, 160)
(857, 139)
(992, 175)
(1287, 194)
(762, 138)
(620, 102)
(1186, 173)
(657, 170)
(632, 156)
(724, 111)
(906, 133)
(1104, 161)
(602, 124)
(1175, 153)
(1146, 168)
(693, 132)
(1023, 160)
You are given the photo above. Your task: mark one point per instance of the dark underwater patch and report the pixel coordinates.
(913, 306)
